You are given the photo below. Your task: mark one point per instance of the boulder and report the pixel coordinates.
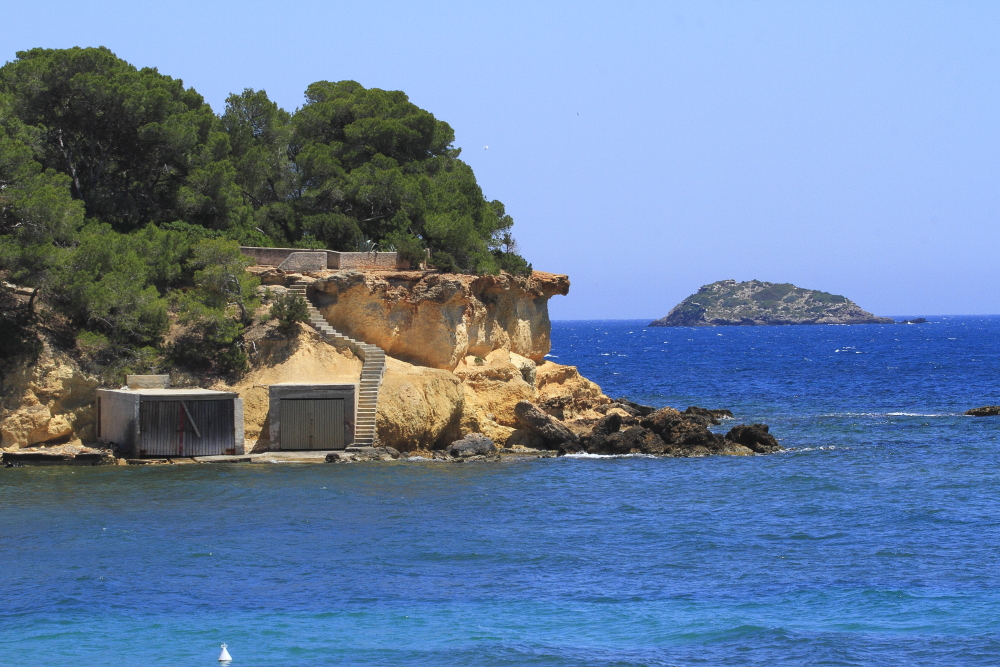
(754, 437)
(633, 440)
(544, 425)
(474, 444)
(418, 407)
(565, 394)
(985, 411)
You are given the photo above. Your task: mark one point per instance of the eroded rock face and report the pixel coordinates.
(418, 407)
(48, 399)
(436, 320)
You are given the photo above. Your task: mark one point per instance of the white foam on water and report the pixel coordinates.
(585, 455)
(825, 448)
(887, 414)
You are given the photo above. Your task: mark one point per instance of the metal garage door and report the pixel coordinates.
(312, 423)
(186, 428)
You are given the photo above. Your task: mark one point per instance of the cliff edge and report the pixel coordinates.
(754, 302)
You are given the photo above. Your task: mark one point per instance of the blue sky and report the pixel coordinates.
(646, 149)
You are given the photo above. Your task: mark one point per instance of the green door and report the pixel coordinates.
(312, 423)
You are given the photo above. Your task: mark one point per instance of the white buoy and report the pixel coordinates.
(224, 656)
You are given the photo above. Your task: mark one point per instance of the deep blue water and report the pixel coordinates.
(874, 541)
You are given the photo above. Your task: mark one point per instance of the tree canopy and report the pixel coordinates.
(120, 188)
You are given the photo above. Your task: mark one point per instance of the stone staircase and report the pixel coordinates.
(372, 369)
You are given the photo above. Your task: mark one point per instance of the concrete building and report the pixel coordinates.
(312, 416)
(170, 422)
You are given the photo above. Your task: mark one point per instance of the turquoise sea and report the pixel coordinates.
(875, 540)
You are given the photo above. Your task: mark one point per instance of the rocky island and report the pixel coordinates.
(755, 302)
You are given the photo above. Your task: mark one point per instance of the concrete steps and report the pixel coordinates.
(372, 369)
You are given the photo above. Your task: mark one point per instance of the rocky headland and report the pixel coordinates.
(466, 378)
(754, 302)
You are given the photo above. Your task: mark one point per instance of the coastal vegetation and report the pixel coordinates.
(124, 199)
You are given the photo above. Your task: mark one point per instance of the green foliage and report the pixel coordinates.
(512, 263)
(15, 326)
(826, 297)
(217, 310)
(362, 163)
(123, 197)
(214, 340)
(408, 248)
(443, 262)
(220, 278)
(773, 293)
(289, 309)
(136, 145)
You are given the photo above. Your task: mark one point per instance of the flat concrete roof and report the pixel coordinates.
(193, 393)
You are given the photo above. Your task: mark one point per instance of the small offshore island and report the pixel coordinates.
(755, 303)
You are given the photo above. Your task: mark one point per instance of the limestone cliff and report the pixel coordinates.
(46, 399)
(436, 320)
(754, 302)
(468, 349)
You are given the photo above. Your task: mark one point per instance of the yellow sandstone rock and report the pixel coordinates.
(433, 319)
(45, 400)
(418, 407)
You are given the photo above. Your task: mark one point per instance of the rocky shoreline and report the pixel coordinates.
(626, 428)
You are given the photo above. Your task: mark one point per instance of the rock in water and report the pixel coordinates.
(474, 444)
(754, 302)
(755, 437)
(985, 411)
(707, 416)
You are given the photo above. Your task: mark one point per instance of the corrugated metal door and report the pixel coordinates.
(186, 428)
(328, 423)
(308, 423)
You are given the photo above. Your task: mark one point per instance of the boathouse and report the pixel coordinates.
(312, 416)
(160, 421)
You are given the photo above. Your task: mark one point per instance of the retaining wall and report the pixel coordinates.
(299, 260)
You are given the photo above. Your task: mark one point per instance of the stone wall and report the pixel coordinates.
(387, 261)
(299, 259)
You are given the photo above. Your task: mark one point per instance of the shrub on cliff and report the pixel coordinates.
(289, 309)
(217, 310)
(443, 262)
